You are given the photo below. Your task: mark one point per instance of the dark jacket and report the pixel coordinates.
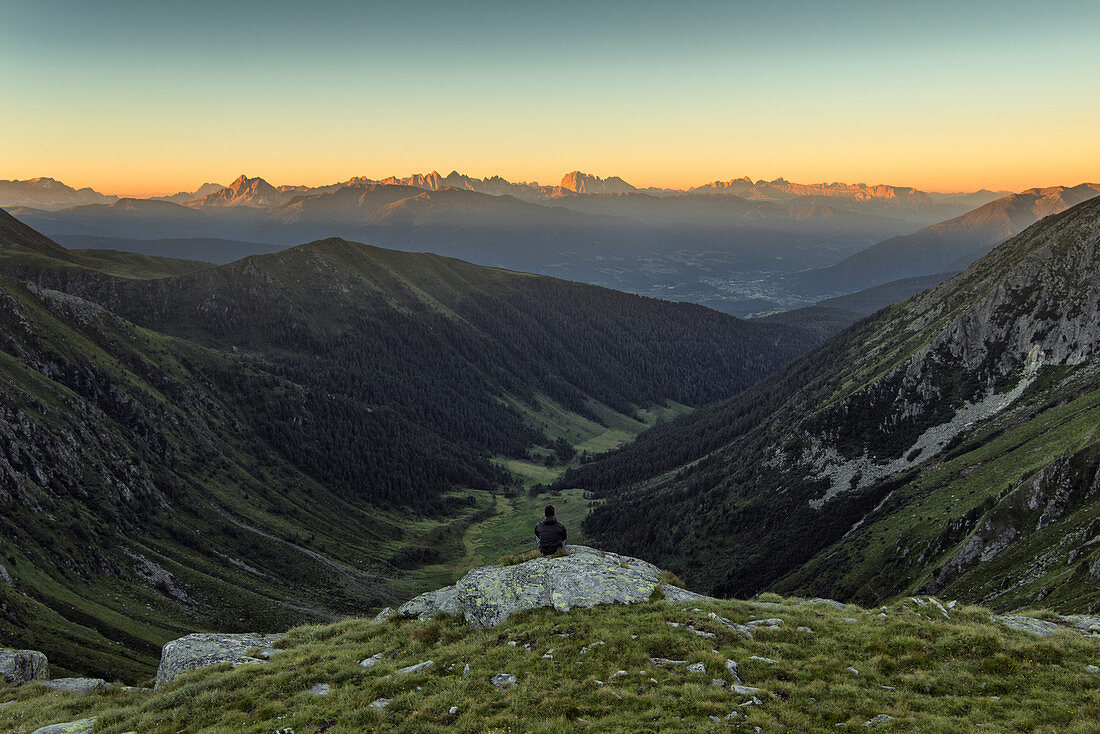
(551, 535)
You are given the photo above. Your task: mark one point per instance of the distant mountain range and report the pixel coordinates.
(45, 193)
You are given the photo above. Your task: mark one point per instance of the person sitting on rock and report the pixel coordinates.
(550, 533)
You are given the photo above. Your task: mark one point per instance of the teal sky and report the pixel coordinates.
(150, 97)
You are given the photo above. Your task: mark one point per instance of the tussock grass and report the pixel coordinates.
(530, 556)
(930, 675)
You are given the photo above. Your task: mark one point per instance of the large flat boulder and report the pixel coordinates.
(22, 666)
(585, 577)
(202, 650)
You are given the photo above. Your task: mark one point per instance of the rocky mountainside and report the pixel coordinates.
(281, 439)
(593, 641)
(946, 247)
(46, 193)
(945, 443)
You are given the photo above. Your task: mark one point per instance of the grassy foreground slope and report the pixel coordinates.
(591, 670)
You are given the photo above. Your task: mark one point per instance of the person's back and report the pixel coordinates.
(550, 533)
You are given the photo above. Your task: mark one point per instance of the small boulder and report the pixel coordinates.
(666, 663)
(767, 661)
(1092, 669)
(503, 680)
(741, 629)
(321, 689)
(453, 711)
(697, 668)
(419, 667)
(23, 666)
(380, 703)
(76, 685)
(746, 690)
(731, 666)
(372, 660)
(83, 726)
(880, 719)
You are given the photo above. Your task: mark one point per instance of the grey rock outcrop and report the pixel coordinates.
(503, 680)
(425, 606)
(487, 596)
(201, 650)
(76, 685)
(83, 726)
(1033, 626)
(22, 666)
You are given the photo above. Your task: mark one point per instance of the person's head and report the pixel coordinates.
(550, 511)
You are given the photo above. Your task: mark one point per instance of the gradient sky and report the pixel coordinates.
(157, 97)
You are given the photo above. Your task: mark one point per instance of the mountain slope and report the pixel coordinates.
(948, 246)
(948, 441)
(281, 439)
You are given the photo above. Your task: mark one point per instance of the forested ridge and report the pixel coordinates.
(411, 355)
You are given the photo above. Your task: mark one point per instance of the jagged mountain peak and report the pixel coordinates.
(585, 183)
(244, 191)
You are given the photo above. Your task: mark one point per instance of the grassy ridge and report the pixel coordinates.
(821, 668)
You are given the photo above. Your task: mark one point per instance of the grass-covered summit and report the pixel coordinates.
(649, 667)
